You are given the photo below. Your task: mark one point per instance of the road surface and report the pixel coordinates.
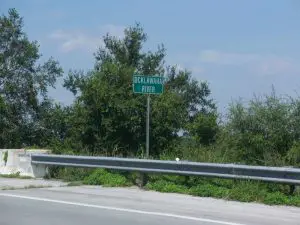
(89, 205)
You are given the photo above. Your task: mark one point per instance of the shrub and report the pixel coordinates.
(166, 186)
(276, 198)
(103, 177)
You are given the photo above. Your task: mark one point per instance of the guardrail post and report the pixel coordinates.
(292, 189)
(141, 180)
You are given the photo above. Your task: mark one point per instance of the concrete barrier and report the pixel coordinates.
(12, 163)
(27, 169)
(19, 161)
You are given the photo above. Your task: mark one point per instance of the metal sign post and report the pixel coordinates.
(147, 126)
(143, 84)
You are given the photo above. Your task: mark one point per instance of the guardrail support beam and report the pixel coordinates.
(280, 175)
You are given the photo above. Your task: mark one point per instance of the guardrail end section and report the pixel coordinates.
(39, 171)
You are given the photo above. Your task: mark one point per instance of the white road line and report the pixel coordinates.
(121, 209)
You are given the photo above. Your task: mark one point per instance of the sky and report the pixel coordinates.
(240, 47)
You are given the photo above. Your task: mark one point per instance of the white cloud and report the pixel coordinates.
(82, 40)
(69, 41)
(265, 64)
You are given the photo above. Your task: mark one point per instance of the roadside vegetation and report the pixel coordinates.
(237, 190)
(108, 119)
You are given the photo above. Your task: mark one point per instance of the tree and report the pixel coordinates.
(264, 131)
(113, 117)
(204, 128)
(23, 83)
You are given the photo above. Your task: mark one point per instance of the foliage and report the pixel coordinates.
(103, 177)
(245, 191)
(204, 128)
(69, 174)
(262, 132)
(166, 186)
(23, 84)
(293, 155)
(110, 118)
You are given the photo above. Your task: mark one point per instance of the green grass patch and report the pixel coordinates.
(167, 186)
(209, 190)
(238, 190)
(105, 178)
(248, 191)
(69, 174)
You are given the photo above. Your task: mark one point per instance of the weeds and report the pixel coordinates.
(244, 191)
(105, 178)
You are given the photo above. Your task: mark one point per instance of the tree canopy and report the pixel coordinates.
(23, 83)
(114, 117)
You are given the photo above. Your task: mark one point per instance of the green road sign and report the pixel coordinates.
(148, 84)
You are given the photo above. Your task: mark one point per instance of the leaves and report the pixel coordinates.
(114, 116)
(265, 130)
(22, 82)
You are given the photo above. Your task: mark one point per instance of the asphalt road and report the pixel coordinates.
(96, 205)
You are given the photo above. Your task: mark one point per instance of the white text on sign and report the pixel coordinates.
(148, 89)
(148, 80)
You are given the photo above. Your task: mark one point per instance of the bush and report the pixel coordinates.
(69, 174)
(209, 190)
(276, 198)
(103, 177)
(248, 191)
(239, 190)
(166, 186)
(293, 155)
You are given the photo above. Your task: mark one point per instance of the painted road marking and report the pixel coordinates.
(121, 209)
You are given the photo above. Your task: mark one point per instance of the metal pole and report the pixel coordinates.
(147, 126)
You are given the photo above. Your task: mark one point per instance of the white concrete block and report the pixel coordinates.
(19, 161)
(13, 160)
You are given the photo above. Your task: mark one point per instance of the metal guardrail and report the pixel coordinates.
(284, 175)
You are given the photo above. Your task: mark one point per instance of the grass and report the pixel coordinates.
(238, 190)
(105, 178)
(69, 174)
(80, 176)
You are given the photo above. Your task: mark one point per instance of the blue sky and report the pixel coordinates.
(239, 47)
